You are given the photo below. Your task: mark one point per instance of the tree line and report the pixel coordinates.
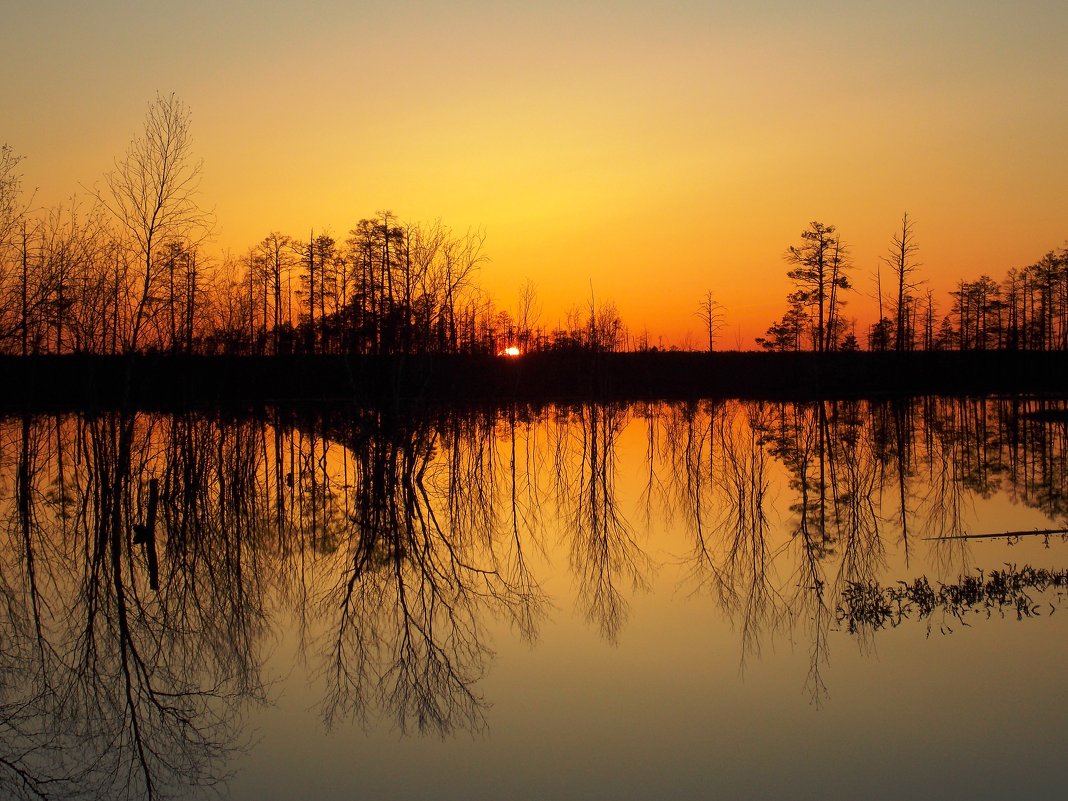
(124, 270)
(1026, 310)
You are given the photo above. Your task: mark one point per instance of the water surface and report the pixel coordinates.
(693, 600)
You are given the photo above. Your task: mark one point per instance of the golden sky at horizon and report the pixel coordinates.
(649, 151)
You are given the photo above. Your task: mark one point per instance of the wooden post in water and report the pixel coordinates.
(146, 534)
(150, 544)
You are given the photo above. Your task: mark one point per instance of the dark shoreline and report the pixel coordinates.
(86, 382)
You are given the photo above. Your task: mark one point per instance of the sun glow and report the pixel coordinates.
(511, 351)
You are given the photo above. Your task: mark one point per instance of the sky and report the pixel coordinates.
(637, 152)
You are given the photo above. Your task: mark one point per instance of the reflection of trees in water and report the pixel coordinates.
(604, 553)
(835, 529)
(837, 479)
(118, 688)
(1037, 454)
(406, 513)
(721, 468)
(26, 729)
(913, 465)
(977, 448)
(421, 573)
(411, 531)
(943, 501)
(458, 499)
(856, 470)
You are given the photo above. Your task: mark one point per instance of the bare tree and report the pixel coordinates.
(711, 313)
(840, 261)
(13, 259)
(527, 314)
(276, 251)
(152, 195)
(11, 208)
(902, 260)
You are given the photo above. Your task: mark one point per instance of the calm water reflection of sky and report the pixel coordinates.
(678, 706)
(592, 602)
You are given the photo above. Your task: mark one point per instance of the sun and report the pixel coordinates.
(511, 351)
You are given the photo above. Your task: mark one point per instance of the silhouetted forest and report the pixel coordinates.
(177, 381)
(125, 270)
(1026, 310)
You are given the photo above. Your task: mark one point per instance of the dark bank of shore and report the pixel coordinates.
(83, 382)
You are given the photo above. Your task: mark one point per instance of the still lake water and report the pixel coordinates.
(712, 599)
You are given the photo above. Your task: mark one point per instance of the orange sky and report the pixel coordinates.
(649, 150)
